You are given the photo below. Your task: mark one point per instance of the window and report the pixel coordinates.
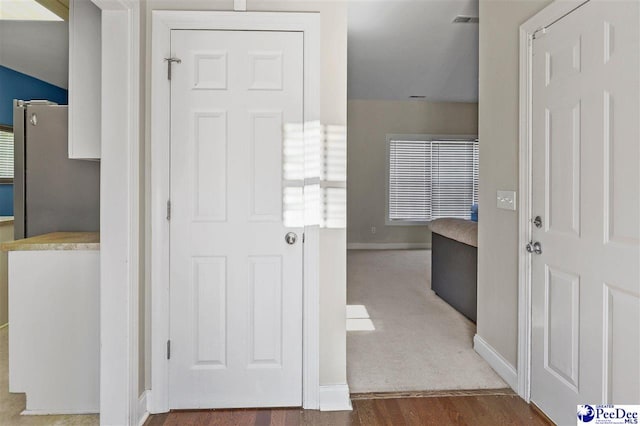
(431, 178)
(6, 154)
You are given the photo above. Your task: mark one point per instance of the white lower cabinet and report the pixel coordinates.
(54, 330)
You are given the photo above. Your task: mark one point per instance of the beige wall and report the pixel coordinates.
(333, 111)
(369, 123)
(498, 134)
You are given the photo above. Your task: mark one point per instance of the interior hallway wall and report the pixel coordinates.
(498, 132)
(369, 123)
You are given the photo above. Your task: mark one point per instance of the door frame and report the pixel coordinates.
(163, 22)
(538, 23)
(121, 400)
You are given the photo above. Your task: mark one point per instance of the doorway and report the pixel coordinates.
(230, 290)
(412, 158)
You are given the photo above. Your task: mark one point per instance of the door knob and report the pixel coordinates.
(534, 247)
(291, 238)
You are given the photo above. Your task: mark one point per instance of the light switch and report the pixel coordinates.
(507, 200)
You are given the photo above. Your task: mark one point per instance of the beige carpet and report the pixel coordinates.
(419, 341)
(12, 404)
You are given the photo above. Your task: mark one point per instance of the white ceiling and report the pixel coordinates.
(26, 10)
(36, 48)
(399, 48)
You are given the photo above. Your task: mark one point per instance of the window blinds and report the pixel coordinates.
(6, 155)
(432, 179)
(409, 180)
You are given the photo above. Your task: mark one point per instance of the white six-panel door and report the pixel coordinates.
(235, 283)
(586, 189)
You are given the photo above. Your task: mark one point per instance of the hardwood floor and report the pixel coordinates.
(472, 410)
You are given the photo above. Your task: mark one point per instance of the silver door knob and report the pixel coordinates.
(291, 238)
(534, 247)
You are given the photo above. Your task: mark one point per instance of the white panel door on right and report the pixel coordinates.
(235, 282)
(586, 189)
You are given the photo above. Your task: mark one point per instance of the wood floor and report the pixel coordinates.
(476, 410)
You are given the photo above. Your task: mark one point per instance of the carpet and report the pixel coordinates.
(412, 340)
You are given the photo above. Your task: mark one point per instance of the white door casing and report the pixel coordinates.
(236, 284)
(120, 81)
(585, 285)
(120, 212)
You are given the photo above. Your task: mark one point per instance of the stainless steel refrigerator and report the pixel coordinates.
(51, 192)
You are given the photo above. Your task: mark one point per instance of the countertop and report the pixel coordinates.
(464, 231)
(6, 220)
(56, 241)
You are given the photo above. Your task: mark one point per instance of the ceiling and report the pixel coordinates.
(34, 10)
(399, 48)
(36, 48)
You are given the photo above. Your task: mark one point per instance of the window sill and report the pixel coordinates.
(405, 223)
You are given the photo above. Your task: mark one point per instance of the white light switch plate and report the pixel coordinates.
(507, 200)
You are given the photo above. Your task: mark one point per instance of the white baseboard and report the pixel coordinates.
(504, 369)
(388, 246)
(335, 398)
(143, 412)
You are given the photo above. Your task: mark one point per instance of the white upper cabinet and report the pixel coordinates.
(84, 79)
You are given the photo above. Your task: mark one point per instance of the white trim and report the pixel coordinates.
(240, 5)
(311, 320)
(163, 23)
(389, 246)
(159, 188)
(541, 20)
(143, 412)
(115, 4)
(119, 211)
(496, 361)
(335, 398)
(524, 225)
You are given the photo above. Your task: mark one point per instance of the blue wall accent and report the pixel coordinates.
(16, 85)
(6, 199)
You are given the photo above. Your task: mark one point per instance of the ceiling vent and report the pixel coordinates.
(417, 97)
(465, 19)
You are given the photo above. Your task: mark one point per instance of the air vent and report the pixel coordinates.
(465, 19)
(417, 97)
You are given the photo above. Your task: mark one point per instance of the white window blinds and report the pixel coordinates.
(409, 180)
(430, 179)
(6, 154)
